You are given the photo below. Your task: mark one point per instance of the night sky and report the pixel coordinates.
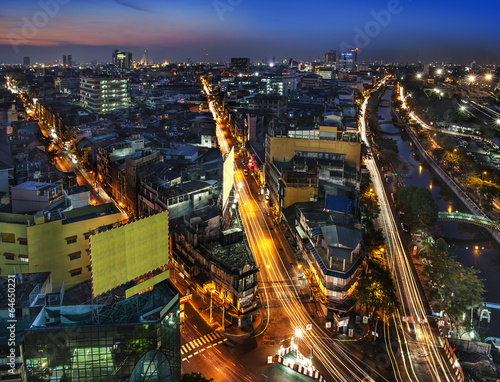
(392, 30)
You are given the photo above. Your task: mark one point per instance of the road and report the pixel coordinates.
(286, 305)
(418, 341)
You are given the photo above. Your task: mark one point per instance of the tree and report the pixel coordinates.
(455, 288)
(376, 289)
(194, 377)
(421, 211)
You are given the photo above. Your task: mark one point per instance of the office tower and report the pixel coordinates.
(240, 65)
(70, 61)
(347, 61)
(331, 57)
(122, 60)
(103, 94)
(64, 61)
(26, 61)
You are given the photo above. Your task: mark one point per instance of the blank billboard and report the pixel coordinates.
(124, 253)
(227, 176)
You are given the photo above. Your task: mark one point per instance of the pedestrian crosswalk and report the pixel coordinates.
(208, 341)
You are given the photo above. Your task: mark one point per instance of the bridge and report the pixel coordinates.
(468, 218)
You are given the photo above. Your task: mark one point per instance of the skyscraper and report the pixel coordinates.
(331, 57)
(122, 60)
(64, 61)
(26, 61)
(240, 65)
(347, 61)
(70, 61)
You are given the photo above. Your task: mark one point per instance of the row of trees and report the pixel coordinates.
(455, 288)
(376, 290)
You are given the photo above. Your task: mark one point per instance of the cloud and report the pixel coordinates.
(131, 5)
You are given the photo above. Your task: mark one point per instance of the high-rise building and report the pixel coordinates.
(347, 61)
(122, 60)
(70, 61)
(64, 61)
(103, 94)
(240, 65)
(26, 61)
(331, 57)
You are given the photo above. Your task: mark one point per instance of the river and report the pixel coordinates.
(470, 244)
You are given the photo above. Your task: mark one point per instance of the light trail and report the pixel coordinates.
(412, 306)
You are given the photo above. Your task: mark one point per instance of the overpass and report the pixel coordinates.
(468, 218)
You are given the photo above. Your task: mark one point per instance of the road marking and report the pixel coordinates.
(199, 342)
(184, 359)
(189, 356)
(203, 340)
(209, 346)
(195, 353)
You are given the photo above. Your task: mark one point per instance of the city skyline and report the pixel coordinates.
(402, 30)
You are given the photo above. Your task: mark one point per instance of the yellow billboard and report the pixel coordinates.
(124, 253)
(227, 176)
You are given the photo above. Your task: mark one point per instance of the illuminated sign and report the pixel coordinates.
(186, 298)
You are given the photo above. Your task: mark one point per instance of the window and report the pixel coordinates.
(71, 239)
(24, 258)
(86, 235)
(9, 256)
(22, 240)
(76, 272)
(75, 255)
(8, 238)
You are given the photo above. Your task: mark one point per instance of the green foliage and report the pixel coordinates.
(376, 289)
(455, 288)
(194, 377)
(421, 211)
(387, 144)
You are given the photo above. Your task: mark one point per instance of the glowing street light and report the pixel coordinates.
(472, 78)
(439, 72)
(489, 77)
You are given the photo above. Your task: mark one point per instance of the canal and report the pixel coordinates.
(470, 244)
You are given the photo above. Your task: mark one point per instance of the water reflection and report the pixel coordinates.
(461, 237)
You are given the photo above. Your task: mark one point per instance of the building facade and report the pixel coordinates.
(104, 94)
(102, 342)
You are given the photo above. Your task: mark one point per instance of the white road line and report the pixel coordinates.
(203, 340)
(189, 356)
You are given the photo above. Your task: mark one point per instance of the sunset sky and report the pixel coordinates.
(175, 30)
